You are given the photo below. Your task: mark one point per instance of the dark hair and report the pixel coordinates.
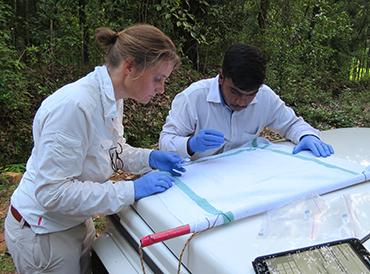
(245, 65)
(145, 44)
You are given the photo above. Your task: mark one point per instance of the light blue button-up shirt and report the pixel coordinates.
(201, 106)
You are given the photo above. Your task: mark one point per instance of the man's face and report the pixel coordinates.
(234, 97)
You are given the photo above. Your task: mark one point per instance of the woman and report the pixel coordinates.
(78, 144)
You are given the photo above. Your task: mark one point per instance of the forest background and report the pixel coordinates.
(318, 53)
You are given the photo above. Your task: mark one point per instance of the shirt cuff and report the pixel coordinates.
(126, 193)
(146, 157)
(184, 148)
(302, 134)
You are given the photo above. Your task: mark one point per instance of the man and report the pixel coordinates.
(225, 112)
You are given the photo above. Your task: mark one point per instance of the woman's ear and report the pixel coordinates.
(128, 66)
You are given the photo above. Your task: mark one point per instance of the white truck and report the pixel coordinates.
(229, 248)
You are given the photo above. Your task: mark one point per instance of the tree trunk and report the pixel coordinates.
(315, 11)
(262, 14)
(84, 31)
(51, 35)
(286, 13)
(24, 11)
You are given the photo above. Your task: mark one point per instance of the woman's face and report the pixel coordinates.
(142, 86)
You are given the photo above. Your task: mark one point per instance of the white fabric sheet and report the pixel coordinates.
(256, 178)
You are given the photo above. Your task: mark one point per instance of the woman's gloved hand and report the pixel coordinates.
(166, 161)
(206, 139)
(315, 145)
(152, 183)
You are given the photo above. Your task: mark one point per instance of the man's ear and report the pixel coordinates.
(221, 74)
(220, 77)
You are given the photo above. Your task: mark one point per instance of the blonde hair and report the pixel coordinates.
(145, 44)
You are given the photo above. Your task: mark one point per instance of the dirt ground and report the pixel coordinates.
(8, 182)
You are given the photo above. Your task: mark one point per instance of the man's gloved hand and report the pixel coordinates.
(315, 145)
(206, 139)
(152, 183)
(166, 161)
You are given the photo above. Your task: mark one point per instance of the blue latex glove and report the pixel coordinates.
(315, 145)
(166, 161)
(152, 183)
(206, 139)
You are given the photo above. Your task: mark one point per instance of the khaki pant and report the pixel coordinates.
(59, 252)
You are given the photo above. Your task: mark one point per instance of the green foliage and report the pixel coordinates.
(344, 104)
(11, 77)
(6, 263)
(301, 46)
(359, 70)
(18, 168)
(14, 97)
(313, 48)
(182, 17)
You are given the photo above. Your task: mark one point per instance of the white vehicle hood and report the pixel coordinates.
(231, 248)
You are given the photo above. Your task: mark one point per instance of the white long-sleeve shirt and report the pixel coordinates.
(66, 178)
(200, 106)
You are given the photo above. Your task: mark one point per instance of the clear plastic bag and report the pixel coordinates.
(359, 204)
(334, 222)
(316, 219)
(295, 220)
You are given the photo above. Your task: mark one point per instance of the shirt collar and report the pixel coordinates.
(214, 91)
(223, 99)
(112, 109)
(107, 92)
